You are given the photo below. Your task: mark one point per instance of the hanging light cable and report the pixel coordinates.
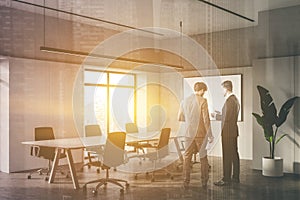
(181, 43)
(44, 21)
(226, 10)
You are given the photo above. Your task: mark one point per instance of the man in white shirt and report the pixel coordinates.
(194, 111)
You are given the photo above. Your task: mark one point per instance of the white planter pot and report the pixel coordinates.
(272, 167)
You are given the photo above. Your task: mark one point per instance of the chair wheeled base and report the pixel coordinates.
(104, 181)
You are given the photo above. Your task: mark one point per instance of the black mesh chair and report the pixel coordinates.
(113, 156)
(93, 152)
(159, 151)
(131, 128)
(48, 153)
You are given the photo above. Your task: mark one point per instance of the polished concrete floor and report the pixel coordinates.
(253, 186)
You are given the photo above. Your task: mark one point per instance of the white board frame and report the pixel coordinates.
(214, 94)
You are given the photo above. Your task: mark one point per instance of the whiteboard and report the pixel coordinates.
(215, 94)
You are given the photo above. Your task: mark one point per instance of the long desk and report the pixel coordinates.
(69, 144)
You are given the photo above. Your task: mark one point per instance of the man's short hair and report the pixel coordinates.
(228, 85)
(199, 86)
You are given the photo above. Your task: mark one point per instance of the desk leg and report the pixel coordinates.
(72, 169)
(178, 148)
(54, 165)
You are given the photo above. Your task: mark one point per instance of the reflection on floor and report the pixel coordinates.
(253, 186)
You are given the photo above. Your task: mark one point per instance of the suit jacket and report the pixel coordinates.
(194, 111)
(229, 117)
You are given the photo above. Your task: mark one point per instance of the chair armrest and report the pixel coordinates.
(182, 145)
(151, 147)
(126, 158)
(34, 150)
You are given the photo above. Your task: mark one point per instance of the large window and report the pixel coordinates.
(109, 99)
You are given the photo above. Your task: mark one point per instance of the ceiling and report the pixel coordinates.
(196, 16)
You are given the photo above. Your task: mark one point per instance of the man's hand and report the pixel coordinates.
(211, 139)
(215, 113)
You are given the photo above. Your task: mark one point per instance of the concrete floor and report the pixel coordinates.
(253, 186)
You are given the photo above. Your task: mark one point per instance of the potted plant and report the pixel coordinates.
(270, 121)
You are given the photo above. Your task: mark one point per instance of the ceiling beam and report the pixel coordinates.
(93, 55)
(226, 10)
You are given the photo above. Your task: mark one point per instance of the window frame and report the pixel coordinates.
(108, 86)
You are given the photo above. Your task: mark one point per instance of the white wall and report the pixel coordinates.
(278, 76)
(41, 94)
(4, 115)
(170, 97)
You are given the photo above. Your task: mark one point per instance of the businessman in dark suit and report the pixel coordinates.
(229, 117)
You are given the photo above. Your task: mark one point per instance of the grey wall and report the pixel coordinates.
(277, 35)
(296, 166)
(22, 33)
(278, 38)
(278, 76)
(232, 48)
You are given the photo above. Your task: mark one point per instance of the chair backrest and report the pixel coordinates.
(45, 133)
(163, 143)
(92, 130)
(114, 149)
(164, 138)
(131, 128)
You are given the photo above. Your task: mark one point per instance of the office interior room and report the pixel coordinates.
(66, 64)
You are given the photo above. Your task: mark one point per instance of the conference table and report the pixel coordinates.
(68, 144)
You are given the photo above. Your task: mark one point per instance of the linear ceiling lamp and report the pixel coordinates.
(226, 10)
(91, 18)
(93, 55)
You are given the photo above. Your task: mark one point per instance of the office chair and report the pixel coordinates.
(92, 130)
(113, 156)
(43, 133)
(132, 128)
(159, 151)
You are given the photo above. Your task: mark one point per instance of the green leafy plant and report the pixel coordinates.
(270, 120)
